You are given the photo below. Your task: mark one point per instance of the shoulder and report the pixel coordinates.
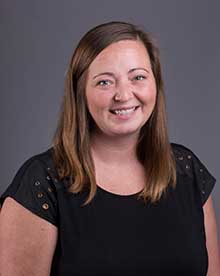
(184, 157)
(35, 187)
(187, 158)
(189, 164)
(40, 164)
(43, 159)
(181, 150)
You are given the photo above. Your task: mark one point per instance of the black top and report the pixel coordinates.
(118, 234)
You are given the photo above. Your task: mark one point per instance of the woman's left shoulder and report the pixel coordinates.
(189, 163)
(182, 151)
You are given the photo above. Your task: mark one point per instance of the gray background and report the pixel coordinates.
(37, 40)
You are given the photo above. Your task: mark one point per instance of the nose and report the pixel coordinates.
(123, 92)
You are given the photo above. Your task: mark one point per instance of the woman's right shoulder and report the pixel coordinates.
(34, 186)
(28, 219)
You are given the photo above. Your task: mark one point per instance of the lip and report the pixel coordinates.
(124, 107)
(124, 117)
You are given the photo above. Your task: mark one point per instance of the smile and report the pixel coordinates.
(124, 113)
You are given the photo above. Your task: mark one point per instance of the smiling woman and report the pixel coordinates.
(112, 195)
(123, 68)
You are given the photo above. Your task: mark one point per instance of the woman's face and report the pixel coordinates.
(122, 68)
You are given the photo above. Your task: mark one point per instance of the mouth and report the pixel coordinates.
(124, 111)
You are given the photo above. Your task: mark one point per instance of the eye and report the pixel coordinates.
(140, 77)
(102, 82)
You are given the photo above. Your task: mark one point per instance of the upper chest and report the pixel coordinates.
(121, 179)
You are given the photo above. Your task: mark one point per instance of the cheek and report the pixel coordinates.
(148, 94)
(98, 103)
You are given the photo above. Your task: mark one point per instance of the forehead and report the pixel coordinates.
(123, 52)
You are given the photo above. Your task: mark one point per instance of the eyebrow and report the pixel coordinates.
(112, 74)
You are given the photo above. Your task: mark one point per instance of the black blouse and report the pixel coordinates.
(118, 234)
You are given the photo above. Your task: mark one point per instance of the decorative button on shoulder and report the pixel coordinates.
(40, 195)
(45, 206)
(180, 157)
(37, 183)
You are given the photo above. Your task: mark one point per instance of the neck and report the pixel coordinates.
(114, 150)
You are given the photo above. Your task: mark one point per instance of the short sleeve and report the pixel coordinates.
(33, 188)
(190, 165)
(203, 178)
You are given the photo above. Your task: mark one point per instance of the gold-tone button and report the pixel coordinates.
(48, 168)
(37, 183)
(187, 166)
(48, 178)
(189, 156)
(45, 206)
(49, 189)
(40, 195)
(180, 157)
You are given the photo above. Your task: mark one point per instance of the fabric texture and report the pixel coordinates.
(118, 234)
(32, 187)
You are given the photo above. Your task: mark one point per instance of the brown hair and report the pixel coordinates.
(71, 141)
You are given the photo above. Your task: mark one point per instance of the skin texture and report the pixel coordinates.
(27, 242)
(114, 140)
(212, 243)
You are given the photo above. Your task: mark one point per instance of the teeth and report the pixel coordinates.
(126, 111)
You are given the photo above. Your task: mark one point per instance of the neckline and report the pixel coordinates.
(117, 195)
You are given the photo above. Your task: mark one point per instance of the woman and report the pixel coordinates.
(112, 196)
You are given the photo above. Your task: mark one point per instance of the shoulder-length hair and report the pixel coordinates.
(71, 141)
